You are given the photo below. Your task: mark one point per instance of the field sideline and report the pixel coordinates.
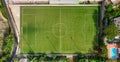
(58, 29)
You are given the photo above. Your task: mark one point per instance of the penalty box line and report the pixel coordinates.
(27, 25)
(90, 24)
(35, 30)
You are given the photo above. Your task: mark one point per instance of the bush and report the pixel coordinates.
(110, 13)
(2, 9)
(111, 31)
(7, 47)
(8, 40)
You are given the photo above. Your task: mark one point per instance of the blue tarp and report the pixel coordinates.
(113, 53)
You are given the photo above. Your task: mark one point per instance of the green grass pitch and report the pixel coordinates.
(58, 29)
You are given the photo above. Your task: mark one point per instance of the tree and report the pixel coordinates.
(6, 47)
(110, 13)
(109, 8)
(111, 31)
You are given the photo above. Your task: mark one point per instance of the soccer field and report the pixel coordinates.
(58, 29)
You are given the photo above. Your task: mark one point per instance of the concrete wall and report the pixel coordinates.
(28, 1)
(64, 1)
(52, 1)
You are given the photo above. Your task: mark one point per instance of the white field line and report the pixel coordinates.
(60, 31)
(49, 9)
(58, 5)
(23, 39)
(30, 14)
(26, 38)
(91, 14)
(34, 8)
(22, 35)
(93, 26)
(60, 23)
(35, 31)
(84, 29)
(26, 32)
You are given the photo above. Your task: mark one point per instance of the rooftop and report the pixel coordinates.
(115, 2)
(117, 21)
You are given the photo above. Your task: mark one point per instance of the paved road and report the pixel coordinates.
(14, 31)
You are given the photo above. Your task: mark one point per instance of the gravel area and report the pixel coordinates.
(16, 14)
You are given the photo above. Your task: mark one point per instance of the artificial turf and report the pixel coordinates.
(58, 29)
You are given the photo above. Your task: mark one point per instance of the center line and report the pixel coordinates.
(60, 30)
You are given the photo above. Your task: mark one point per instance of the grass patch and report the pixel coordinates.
(52, 29)
(2, 9)
(8, 43)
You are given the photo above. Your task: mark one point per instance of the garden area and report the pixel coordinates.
(109, 28)
(54, 58)
(46, 58)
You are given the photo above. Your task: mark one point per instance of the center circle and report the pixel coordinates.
(59, 29)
